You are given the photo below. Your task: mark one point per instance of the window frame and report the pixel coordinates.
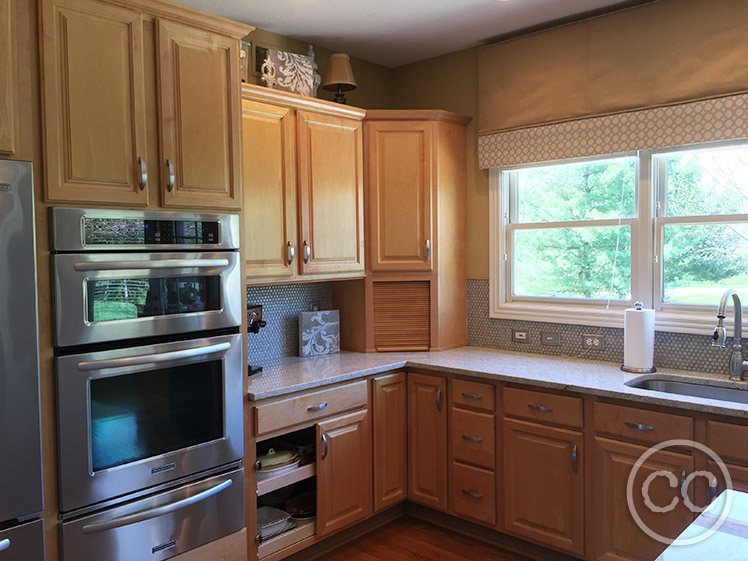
(647, 227)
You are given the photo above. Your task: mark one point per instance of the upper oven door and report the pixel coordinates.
(133, 418)
(102, 297)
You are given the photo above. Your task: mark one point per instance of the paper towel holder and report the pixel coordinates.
(638, 305)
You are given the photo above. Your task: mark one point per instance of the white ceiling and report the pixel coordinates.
(397, 32)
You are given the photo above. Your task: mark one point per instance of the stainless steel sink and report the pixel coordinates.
(692, 389)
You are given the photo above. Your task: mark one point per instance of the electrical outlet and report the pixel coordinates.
(550, 338)
(520, 336)
(594, 342)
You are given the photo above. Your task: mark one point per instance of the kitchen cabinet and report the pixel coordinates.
(543, 484)
(303, 169)
(9, 110)
(616, 535)
(390, 442)
(123, 78)
(427, 440)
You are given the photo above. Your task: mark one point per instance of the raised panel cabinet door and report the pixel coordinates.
(616, 535)
(343, 471)
(200, 112)
(427, 440)
(93, 103)
(400, 196)
(8, 80)
(543, 484)
(330, 171)
(390, 418)
(269, 185)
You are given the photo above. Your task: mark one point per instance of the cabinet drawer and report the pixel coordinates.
(728, 440)
(473, 437)
(311, 406)
(473, 394)
(474, 493)
(640, 424)
(544, 407)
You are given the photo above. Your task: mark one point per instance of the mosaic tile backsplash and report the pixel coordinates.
(281, 305)
(671, 350)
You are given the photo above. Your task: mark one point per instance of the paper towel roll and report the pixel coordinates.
(638, 336)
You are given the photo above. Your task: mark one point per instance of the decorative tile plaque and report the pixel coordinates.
(319, 333)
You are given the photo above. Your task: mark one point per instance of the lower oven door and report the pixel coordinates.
(134, 418)
(23, 543)
(160, 526)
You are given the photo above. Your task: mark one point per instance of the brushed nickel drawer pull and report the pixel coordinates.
(171, 176)
(428, 250)
(540, 408)
(637, 426)
(318, 407)
(291, 253)
(472, 494)
(471, 396)
(439, 399)
(325, 446)
(471, 438)
(143, 173)
(307, 252)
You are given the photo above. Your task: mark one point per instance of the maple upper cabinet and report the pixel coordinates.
(102, 124)
(200, 120)
(9, 118)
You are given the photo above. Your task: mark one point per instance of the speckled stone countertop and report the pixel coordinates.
(606, 379)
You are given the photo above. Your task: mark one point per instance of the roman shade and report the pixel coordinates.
(666, 53)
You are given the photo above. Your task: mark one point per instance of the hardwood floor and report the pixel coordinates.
(408, 539)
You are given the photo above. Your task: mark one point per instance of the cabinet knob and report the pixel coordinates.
(143, 173)
(291, 253)
(172, 176)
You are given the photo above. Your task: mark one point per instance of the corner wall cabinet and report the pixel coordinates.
(303, 187)
(140, 104)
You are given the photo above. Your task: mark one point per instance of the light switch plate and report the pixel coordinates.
(550, 338)
(520, 336)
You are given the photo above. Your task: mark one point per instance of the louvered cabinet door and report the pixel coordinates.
(402, 315)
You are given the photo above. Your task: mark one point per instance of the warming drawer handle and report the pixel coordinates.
(87, 366)
(4, 544)
(145, 265)
(150, 513)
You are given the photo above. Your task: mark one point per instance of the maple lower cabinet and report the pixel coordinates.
(343, 471)
(427, 440)
(617, 536)
(389, 395)
(543, 484)
(104, 66)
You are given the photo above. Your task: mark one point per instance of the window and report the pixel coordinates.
(579, 241)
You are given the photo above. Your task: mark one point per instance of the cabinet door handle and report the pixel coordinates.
(325, 447)
(172, 176)
(637, 426)
(439, 399)
(540, 408)
(574, 459)
(471, 438)
(143, 173)
(307, 252)
(4, 544)
(428, 250)
(713, 489)
(471, 396)
(318, 407)
(291, 253)
(473, 494)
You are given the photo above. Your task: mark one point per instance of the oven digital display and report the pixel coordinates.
(146, 414)
(132, 231)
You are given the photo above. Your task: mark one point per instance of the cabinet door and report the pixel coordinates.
(269, 185)
(400, 196)
(94, 103)
(389, 399)
(8, 79)
(543, 484)
(427, 440)
(200, 120)
(616, 536)
(343, 472)
(331, 194)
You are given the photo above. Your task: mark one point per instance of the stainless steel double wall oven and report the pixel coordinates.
(149, 379)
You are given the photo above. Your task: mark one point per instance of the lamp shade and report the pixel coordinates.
(339, 76)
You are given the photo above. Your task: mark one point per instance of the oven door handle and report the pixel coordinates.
(87, 366)
(156, 511)
(160, 264)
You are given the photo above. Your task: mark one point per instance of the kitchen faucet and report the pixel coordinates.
(719, 337)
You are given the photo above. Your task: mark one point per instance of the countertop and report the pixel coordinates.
(580, 375)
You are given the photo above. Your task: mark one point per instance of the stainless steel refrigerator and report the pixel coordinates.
(21, 530)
